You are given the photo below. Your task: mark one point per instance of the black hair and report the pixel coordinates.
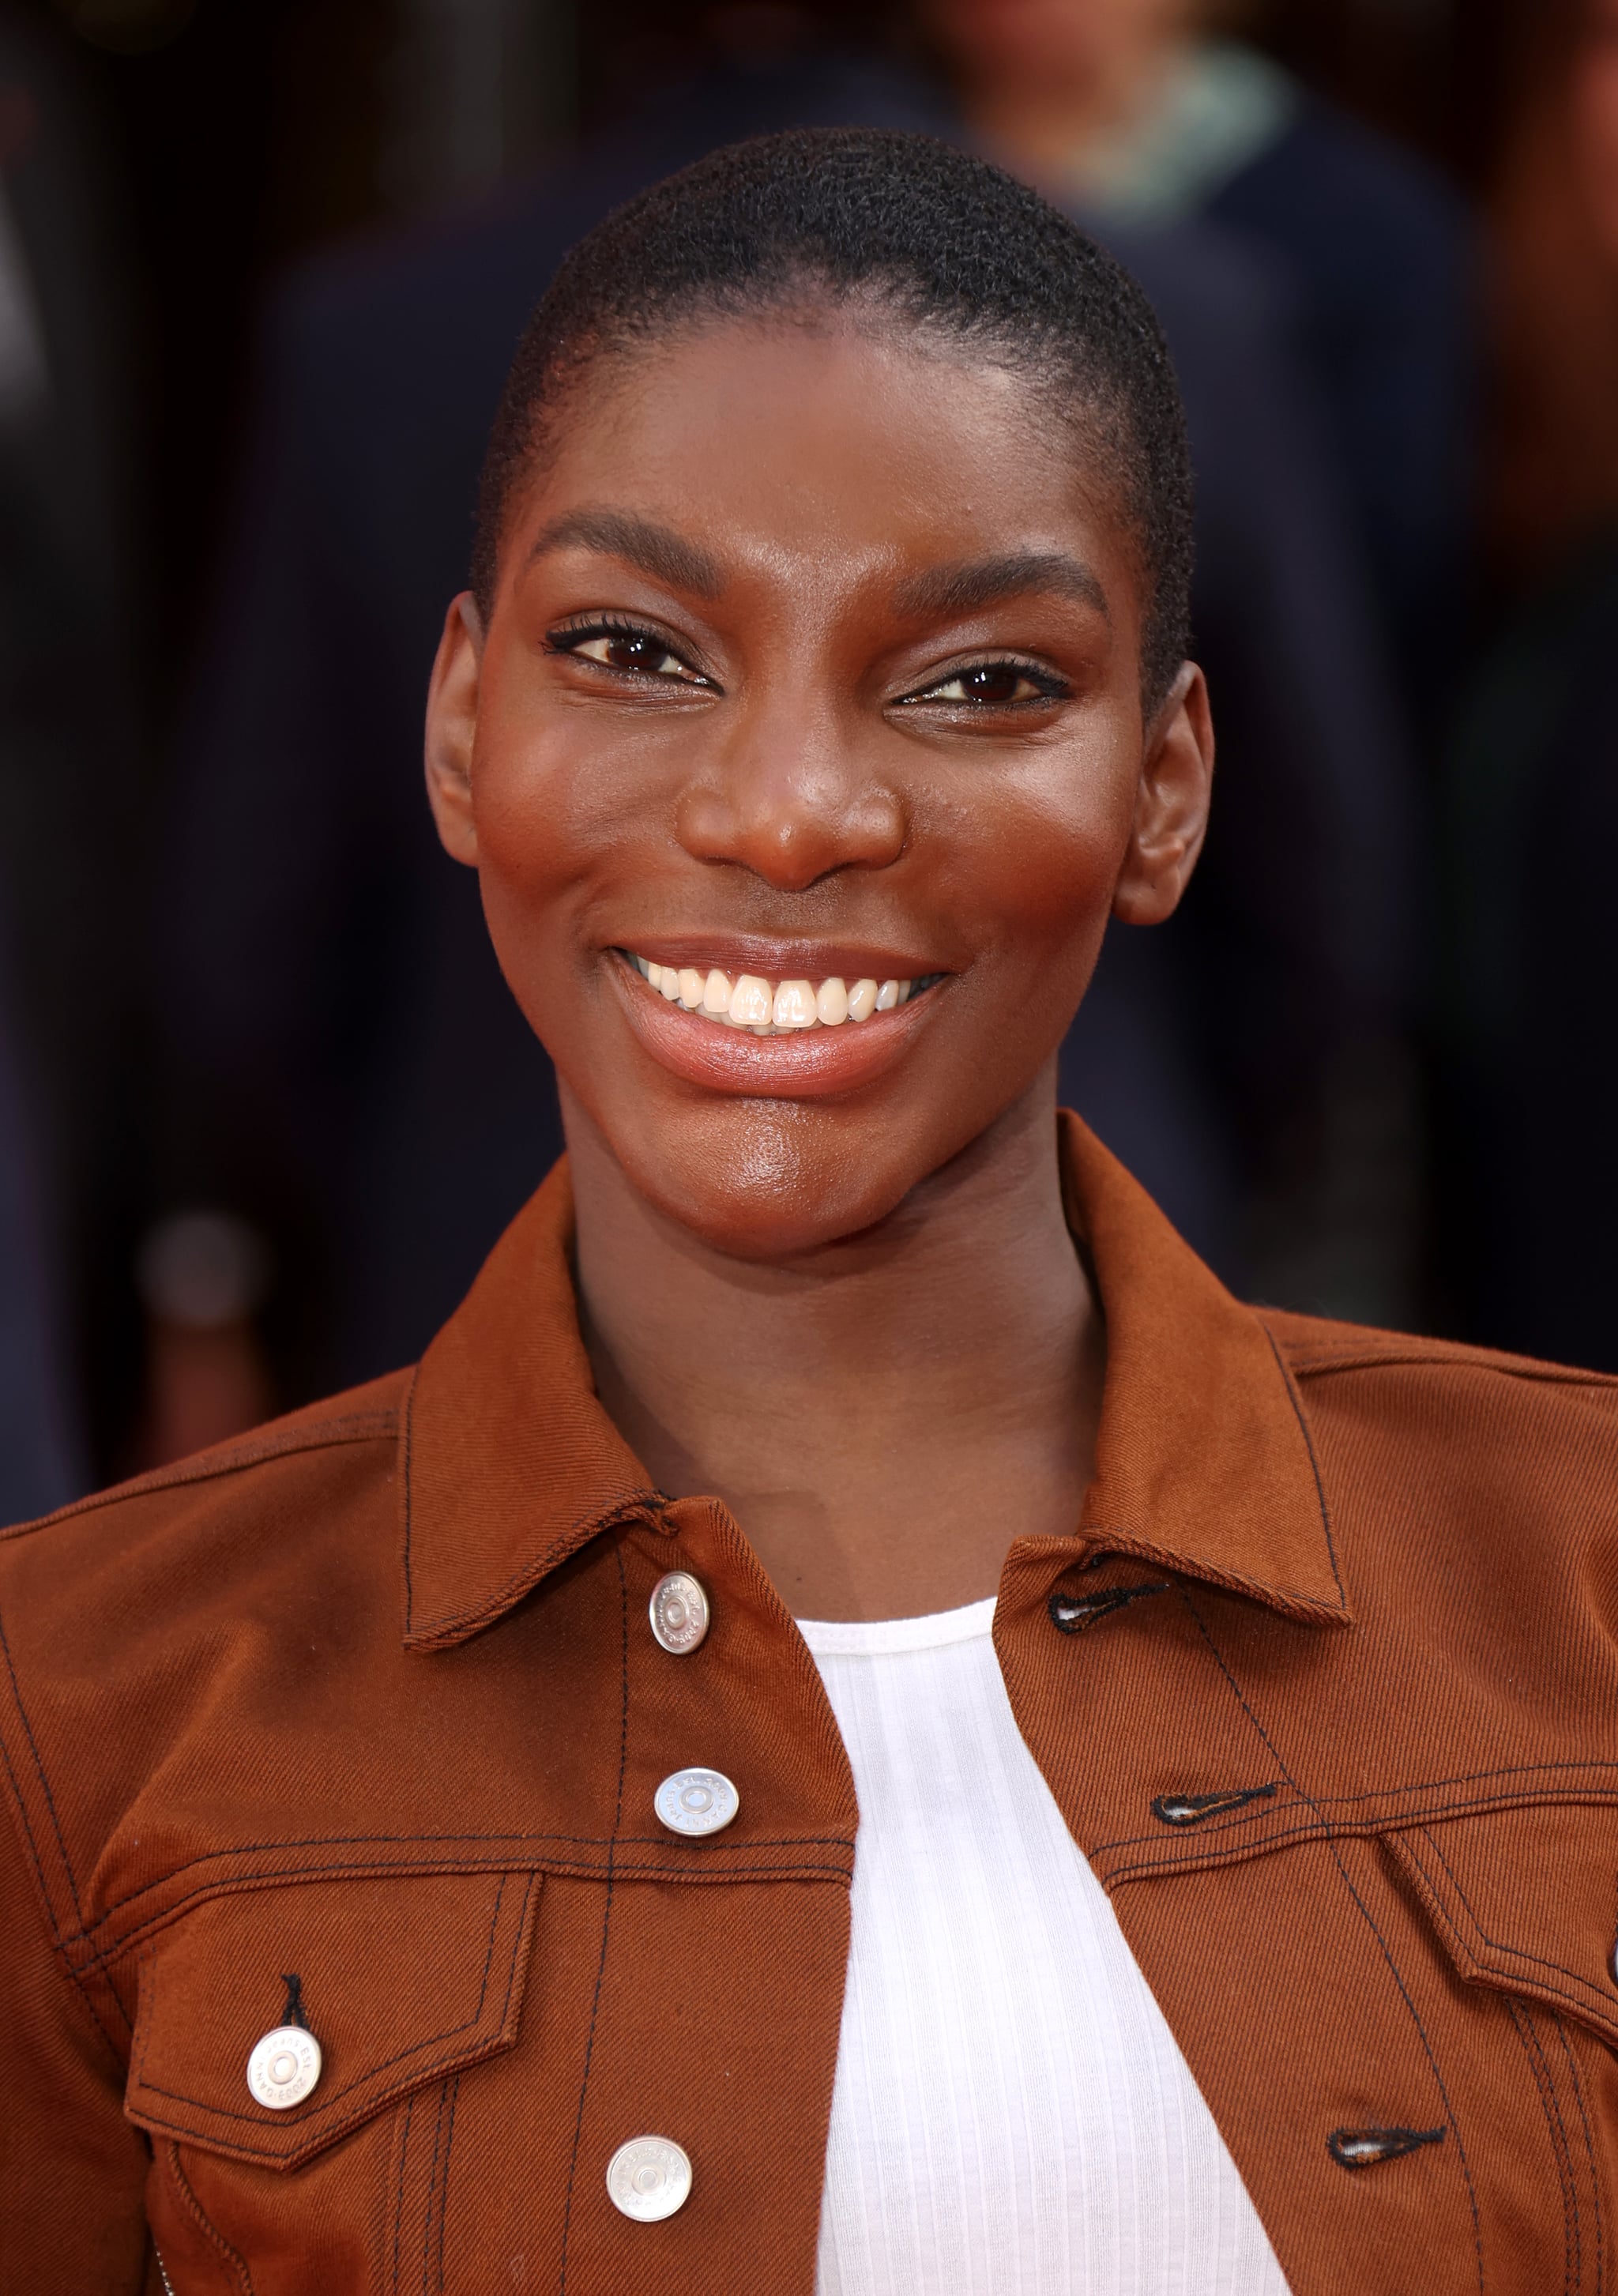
(909, 228)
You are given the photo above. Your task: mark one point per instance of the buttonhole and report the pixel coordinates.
(1191, 1810)
(294, 2002)
(1072, 1614)
(1367, 2148)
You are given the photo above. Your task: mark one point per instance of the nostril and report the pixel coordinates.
(1367, 2148)
(1191, 1810)
(1072, 1614)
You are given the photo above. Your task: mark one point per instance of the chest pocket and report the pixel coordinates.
(402, 1981)
(1526, 1901)
(407, 1983)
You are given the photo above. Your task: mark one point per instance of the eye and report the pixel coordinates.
(625, 647)
(994, 685)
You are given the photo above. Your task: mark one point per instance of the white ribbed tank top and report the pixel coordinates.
(1012, 2115)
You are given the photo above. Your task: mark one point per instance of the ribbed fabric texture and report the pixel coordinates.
(1012, 2113)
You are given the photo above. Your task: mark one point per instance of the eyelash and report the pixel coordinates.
(569, 636)
(1049, 686)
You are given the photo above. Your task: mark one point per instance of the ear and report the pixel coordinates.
(1170, 805)
(452, 729)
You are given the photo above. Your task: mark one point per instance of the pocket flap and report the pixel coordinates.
(1526, 1899)
(401, 1980)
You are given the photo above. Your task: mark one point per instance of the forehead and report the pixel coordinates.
(806, 438)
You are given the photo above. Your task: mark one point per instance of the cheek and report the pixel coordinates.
(1037, 865)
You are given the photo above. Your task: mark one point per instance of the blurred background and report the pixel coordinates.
(264, 1103)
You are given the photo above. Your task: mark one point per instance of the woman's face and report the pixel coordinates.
(816, 660)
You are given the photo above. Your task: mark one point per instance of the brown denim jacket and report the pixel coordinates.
(1325, 1683)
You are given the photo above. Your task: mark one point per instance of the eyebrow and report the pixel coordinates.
(657, 550)
(960, 589)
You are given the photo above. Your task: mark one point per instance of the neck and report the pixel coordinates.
(882, 1414)
(1044, 122)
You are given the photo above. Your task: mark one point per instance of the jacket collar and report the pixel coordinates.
(509, 1465)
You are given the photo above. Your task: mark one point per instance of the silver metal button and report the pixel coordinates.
(697, 1801)
(284, 2067)
(680, 1613)
(649, 2178)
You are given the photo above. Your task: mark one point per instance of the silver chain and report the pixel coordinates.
(162, 2273)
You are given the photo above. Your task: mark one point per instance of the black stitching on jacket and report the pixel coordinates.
(50, 1799)
(58, 1954)
(606, 1921)
(1523, 2025)
(432, 2187)
(404, 2179)
(503, 1859)
(572, 1870)
(1589, 2154)
(1497, 1945)
(1317, 1827)
(235, 2263)
(1605, 1795)
(443, 2207)
(326, 1435)
(1365, 1915)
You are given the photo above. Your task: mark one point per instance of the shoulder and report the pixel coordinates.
(207, 1531)
(1460, 1431)
(1314, 1347)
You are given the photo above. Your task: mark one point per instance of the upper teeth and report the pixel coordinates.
(748, 1002)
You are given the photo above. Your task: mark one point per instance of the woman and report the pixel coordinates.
(436, 1814)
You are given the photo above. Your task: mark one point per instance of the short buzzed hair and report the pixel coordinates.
(914, 232)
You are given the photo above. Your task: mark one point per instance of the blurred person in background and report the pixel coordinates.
(1141, 113)
(41, 1462)
(1532, 817)
(71, 752)
(355, 1097)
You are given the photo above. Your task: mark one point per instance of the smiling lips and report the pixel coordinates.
(773, 1009)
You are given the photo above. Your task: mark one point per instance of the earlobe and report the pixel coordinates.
(1170, 805)
(452, 729)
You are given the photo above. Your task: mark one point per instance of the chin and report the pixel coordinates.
(767, 1186)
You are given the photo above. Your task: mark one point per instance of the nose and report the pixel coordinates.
(788, 797)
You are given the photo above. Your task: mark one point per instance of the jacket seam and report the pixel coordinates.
(1365, 1915)
(234, 2261)
(404, 2179)
(53, 1946)
(1587, 1993)
(1194, 1858)
(364, 1427)
(1589, 2153)
(432, 2184)
(1249, 1817)
(230, 1882)
(606, 1923)
(1542, 1375)
(1532, 2048)
(436, 2240)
